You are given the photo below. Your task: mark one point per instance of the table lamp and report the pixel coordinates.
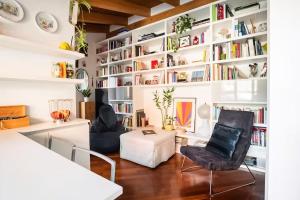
(204, 114)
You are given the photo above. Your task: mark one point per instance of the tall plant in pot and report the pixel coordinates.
(86, 93)
(163, 104)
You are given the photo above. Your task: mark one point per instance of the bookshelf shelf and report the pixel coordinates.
(149, 56)
(205, 51)
(39, 79)
(251, 59)
(149, 40)
(28, 46)
(103, 77)
(149, 71)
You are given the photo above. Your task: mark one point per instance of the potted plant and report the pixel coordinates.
(163, 104)
(86, 93)
(182, 25)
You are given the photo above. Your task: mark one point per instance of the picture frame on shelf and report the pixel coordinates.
(185, 41)
(184, 111)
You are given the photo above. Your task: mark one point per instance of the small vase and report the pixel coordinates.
(86, 99)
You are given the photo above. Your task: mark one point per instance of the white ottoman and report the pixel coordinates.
(147, 150)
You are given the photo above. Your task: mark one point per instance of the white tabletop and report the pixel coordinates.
(29, 171)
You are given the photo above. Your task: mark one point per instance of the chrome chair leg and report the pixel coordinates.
(211, 194)
(188, 168)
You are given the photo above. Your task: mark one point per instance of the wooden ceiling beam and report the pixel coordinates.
(171, 2)
(169, 13)
(121, 6)
(96, 28)
(99, 18)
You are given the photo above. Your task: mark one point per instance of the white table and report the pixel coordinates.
(29, 171)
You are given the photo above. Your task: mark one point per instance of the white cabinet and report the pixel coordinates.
(63, 138)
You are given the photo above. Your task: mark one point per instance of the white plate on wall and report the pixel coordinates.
(11, 10)
(46, 22)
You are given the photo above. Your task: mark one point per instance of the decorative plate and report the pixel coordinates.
(46, 22)
(11, 10)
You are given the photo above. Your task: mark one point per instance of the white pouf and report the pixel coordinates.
(147, 150)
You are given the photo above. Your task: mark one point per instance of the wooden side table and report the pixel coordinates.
(87, 110)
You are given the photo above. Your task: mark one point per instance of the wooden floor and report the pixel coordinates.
(166, 182)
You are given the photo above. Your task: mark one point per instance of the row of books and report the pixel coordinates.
(117, 69)
(224, 72)
(127, 122)
(101, 83)
(221, 51)
(125, 54)
(101, 49)
(103, 71)
(260, 113)
(221, 11)
(139, 65)
(119, 43)
(122, 107)
(259, 137)
(140, 114)
(241, 28)
(250, 48)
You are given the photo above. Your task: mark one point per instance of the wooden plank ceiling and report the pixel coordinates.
(116, 12)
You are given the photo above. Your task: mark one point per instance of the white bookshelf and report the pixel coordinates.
(192, 52)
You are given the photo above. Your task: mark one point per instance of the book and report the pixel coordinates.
(246, 8)
(148, 132)
(251, 47)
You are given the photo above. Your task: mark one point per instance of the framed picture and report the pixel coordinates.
(11, 10)
(185, 41)
(184, 111)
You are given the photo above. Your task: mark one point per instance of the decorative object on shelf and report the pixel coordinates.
(184, 112)
(169, 123)
(185, 41)
(182, 60)
(86, 93)
(60, 109)
(46, 22)
(164, 103)
(224, 33)
(65, 46)
(70, 71)
(262, 27)
(195, 40)
(154, 64)
(264, 70)
(204, 114)
(170, 61)
(82, 74)
(62, 70)
(182, 77)
(11, 10)
(13, 117)
(253, 69)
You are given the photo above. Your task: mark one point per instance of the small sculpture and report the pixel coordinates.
(253, 69)
(264, 70)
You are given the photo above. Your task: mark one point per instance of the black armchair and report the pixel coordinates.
(105, 131)
(208, 157)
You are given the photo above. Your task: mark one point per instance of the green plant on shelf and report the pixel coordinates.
(80, 39)
(183, 24)
(163, 104)
(86, 92)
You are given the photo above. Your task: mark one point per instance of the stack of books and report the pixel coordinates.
(221, 51)
(252, 47)
(103, 71)
(259, 136)
(122, 107)
(102, 83)
(221, 11)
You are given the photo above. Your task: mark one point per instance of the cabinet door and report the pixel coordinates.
(41, 137)
(77, 135)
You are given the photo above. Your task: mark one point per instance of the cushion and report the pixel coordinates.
(107, 116)
(224, 140)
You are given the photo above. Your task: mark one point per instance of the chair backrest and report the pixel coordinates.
(107, 116)
(239, 119)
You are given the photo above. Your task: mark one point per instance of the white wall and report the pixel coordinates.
(284, 97)
(91, 62)
(20, 63)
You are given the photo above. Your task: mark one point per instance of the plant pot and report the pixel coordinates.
(74, 12)
(86, 99)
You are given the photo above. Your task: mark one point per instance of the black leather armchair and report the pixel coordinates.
(211, 161)
(105, 131)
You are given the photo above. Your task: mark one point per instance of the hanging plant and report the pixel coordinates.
(182, 25)
(80, 39)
